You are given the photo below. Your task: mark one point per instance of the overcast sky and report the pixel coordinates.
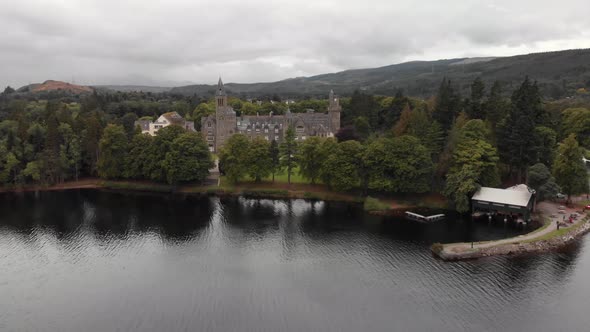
(193, 41)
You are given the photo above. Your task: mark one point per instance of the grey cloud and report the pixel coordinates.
(144, 42)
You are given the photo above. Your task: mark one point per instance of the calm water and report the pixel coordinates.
(99, 261)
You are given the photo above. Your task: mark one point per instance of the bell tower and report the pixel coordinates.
(220, 96)
(334, 110)
(225, 117)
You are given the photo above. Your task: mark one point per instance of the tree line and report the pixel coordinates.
(448, 143)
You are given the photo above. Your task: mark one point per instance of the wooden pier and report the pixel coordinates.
(424, 219)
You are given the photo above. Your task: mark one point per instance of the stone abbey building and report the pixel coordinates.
(216, 129)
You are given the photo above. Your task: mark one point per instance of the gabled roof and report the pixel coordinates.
(174, 117)
(508, 196)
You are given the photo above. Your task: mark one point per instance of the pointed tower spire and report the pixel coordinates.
(220, 88)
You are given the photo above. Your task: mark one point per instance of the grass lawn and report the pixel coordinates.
(279, 178)
(282, 178)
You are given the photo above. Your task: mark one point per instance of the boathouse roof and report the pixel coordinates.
(511, 196)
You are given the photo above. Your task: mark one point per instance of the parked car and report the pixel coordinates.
(560, 196)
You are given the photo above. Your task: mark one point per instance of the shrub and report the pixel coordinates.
(436, 247)
(373, 204)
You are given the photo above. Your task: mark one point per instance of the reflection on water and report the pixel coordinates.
(98, 261)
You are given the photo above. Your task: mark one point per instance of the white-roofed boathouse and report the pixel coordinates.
(517, 201)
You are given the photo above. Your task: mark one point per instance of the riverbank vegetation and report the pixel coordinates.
(388, 145)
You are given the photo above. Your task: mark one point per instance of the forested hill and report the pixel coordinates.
(559, 74)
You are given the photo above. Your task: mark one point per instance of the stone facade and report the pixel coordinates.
(216, 129)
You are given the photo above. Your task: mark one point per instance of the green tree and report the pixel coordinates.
(518, 142)
(202, 110)
(50, 157)
(428, 131)
(90, 138)
(401, 126)
(362, 127)
(128, 122)
(160, 146)
(474, 164)
(138, 163)
(258, 159)
(33, 171)
(496, 107)
(540, 179)
(389, 115)
(113, 149)
(577, 121)
(548, 144)
(475, 106)
(70, 151)
(250, 109)
(569, 169)
(342, 168)
(361, 104)
(288, 150)
(310, 158)
(448, 105)
(233, 157)
(400, 164)
(9, 168)
(275, 157)
(189, 159)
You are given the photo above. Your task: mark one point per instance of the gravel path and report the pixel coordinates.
(545, 208)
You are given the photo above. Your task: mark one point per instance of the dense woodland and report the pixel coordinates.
(449, 143)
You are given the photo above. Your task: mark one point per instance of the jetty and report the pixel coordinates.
(425, 219)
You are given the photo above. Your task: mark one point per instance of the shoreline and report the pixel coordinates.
(545, 239)
(531, 243)
(251, 190)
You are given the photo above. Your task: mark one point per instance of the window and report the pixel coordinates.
(266, 137)
(209, 124)
(266, 130)
(276, 130)
(303, 138)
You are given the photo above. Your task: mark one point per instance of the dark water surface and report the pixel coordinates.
(98, 261)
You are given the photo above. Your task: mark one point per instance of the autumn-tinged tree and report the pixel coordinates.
(401, 126)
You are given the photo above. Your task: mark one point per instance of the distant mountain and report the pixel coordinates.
(51, 85)
(558, 74)
(131, 88)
